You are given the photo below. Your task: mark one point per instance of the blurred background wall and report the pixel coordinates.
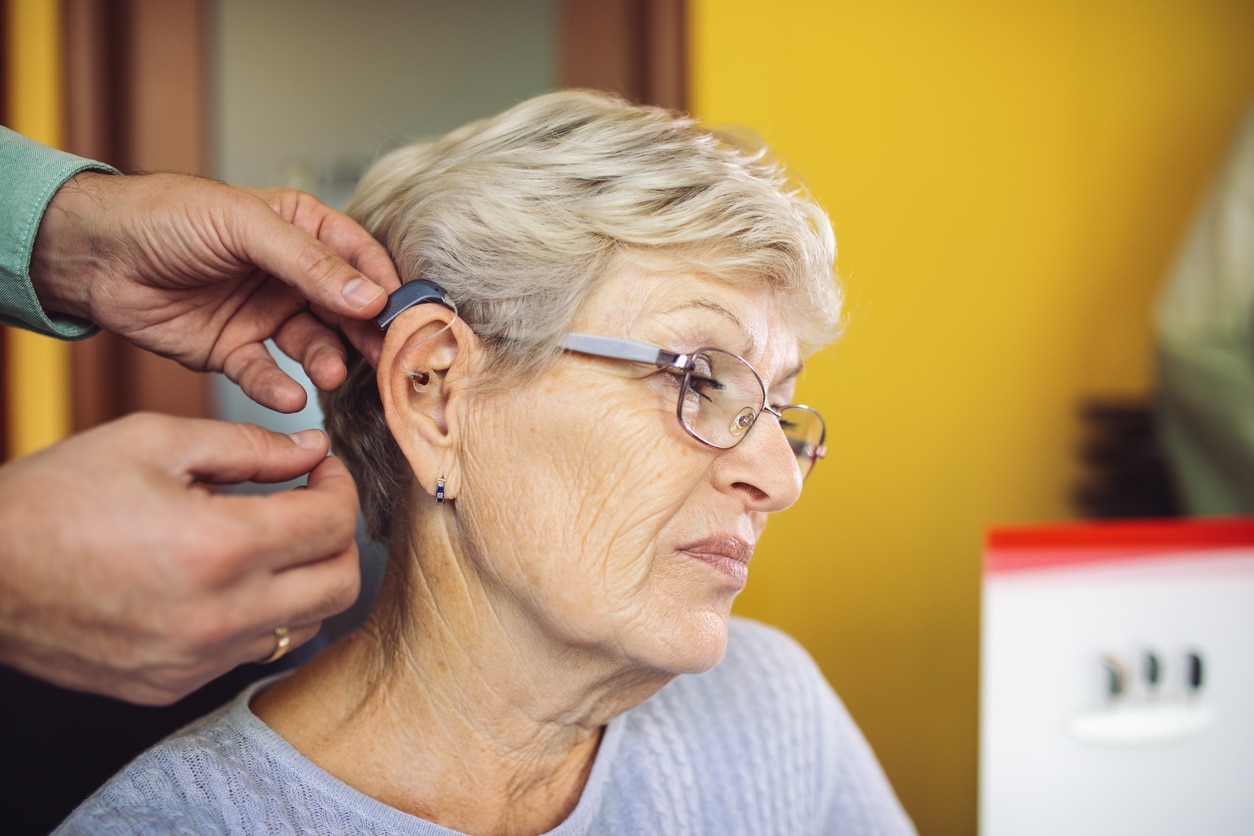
(1008, 183)
(307, 93)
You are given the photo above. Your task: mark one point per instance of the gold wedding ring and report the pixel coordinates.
(282, 640)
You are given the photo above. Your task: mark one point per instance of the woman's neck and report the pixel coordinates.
(451, 707)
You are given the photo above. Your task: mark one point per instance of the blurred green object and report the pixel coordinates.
(1205, 347)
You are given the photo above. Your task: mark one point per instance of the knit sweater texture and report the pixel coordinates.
(758, 745)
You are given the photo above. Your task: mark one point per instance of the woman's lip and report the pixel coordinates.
(729, 555)
(721, 546)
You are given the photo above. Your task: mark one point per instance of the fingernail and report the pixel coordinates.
(361, 292)
(308, 439)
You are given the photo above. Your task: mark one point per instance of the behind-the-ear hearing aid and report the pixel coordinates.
(411, 294)
(416, 292)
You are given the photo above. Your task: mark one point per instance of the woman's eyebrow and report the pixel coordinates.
(749, 340)
(752, 345)
(788, 377)
(793, 373)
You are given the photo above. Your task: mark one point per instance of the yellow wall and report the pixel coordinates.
(1007, 182)
(37, 369)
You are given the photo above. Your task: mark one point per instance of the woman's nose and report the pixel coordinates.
(762, 468)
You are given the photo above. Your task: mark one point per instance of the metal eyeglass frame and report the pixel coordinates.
(636, 352)
(421, 291)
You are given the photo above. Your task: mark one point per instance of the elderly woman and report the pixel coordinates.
(576, 430)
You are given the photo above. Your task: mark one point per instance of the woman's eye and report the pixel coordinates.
(705, 387)
(672, 375)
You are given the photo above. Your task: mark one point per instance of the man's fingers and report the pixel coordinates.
(364, 335)
(338, 231)
(223, 453)
(300, 526)
(261, 650)
(331, 475)
(312, 591)
(366, 338)
(252, 368)
(342, 234)
(311, 570)
(293, 253)
(316, 347)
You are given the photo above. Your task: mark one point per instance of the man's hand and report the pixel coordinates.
(122, 572)
(205, 273)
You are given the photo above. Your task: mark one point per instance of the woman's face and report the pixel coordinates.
(598, 522)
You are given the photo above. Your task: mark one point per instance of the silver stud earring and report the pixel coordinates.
(439, 491)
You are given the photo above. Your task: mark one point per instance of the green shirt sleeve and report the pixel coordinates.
(31, 174)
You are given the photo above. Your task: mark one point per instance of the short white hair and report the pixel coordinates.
(521, 215)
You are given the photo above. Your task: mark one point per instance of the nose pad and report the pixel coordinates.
(742, 422)
(762, 470)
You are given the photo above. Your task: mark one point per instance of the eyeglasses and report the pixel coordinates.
(720, 395)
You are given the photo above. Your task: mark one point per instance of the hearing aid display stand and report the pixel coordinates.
(1117, 679)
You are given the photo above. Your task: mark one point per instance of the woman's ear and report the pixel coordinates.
(427, 357)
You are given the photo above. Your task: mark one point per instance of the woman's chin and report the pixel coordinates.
(698, 646)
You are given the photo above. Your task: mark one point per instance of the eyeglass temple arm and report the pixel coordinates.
(616, 349)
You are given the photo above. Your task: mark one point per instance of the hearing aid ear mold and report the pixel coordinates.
(420, 380)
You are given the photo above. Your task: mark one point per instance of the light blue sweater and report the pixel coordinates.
(759, 745)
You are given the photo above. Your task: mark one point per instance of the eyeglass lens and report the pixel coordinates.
(722, 397)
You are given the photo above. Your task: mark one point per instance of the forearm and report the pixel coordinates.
(32, 174)
(122, 574)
